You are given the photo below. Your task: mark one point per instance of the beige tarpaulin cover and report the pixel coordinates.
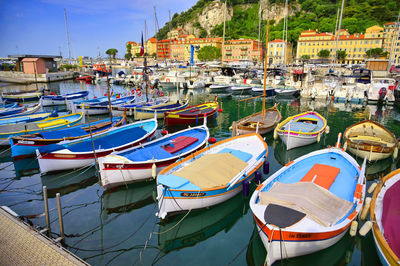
(317, 203)
(212, 170)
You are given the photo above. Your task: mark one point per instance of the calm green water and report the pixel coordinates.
(120, 227)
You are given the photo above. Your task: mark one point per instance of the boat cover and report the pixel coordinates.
(317, 203)
(391, 217)
(212, 170)
(59, 134)
(322, 175)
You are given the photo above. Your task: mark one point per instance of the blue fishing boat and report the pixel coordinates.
(23, 110)
(25, 145)
(23, 118)
(309, 204)
(49, 100)
(140, 163)
(51, 123)
(211, 175)
(10, 109)
(83, 152)
(21, 97)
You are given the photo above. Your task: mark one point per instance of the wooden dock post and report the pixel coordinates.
(46, 211)
(60, 220)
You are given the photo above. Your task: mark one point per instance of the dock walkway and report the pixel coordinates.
(22, 245)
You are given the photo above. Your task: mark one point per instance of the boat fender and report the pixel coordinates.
(275, 134)
(372, 187)
(167, 80)
(164, 132)
(266, 167)
(220, 110)
(212, 140)
(258, 177)
(353, 228)
(365, 210)
(395, 153)
(345, 146)
(154, 171)
(319, 137)
(246, 188)
(327, 130)
(365, 228)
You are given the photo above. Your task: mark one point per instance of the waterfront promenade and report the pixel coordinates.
(21, 245)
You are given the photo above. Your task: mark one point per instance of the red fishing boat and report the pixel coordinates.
(193, 115)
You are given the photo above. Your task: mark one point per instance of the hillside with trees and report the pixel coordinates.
(308, 14)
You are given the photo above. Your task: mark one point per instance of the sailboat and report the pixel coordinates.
(261, 122)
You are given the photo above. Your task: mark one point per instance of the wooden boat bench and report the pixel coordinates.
(322, 175)
(179, 143)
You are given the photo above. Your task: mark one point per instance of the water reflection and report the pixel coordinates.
(198, 226)
(338, 254)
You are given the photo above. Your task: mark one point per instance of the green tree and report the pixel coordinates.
(112, 52)
(128, 56)
(305, 56)
(341, 55)
(376, 52)
(207, 53)
(324, 53)
(203, 33)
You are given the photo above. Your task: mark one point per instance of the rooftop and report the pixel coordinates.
(33, 56)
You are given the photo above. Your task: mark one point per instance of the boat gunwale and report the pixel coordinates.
(290, 118)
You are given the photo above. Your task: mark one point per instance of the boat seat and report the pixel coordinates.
(322, 175)
(244, 156)
(179, 143)
(59, 134)
(176, 182)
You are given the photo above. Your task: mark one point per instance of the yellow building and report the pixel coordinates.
(150, 47)
(391, 41)
(279, 52)
(311, 42)
(181, 48)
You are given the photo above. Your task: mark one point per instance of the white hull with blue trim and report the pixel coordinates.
(211, 175)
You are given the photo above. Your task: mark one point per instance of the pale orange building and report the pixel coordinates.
(242, 49)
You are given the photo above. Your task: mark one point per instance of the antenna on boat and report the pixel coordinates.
(337, 145)
(108, 95)
(205, 120)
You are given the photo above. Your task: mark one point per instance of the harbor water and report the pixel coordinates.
(119, 226)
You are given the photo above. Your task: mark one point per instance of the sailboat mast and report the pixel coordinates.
(66, 26)
(155, 26)
(223, 35)
(338, 32)
(259, 29)
(170, 36)
(265, 67)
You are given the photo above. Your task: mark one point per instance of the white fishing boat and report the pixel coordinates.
(138, 163)
(300, 130)
(211, 175)
(309, 204)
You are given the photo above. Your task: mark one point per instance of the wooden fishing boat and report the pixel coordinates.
(50, 123)
(302, 129)
(83, 152)
(370, 139)
(21, 97)
(309, 204)
(25, 145)
(103, 107)
(385, 211)
(211, 175)
(25, 110)
(49, 100)
(259, 122)
(138, 163)
(193, 115)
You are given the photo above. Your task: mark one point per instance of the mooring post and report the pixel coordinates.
(60, 219)
(46, 211)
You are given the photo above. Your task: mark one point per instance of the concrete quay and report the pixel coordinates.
(23, 78)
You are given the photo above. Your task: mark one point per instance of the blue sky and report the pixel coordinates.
(38, 26)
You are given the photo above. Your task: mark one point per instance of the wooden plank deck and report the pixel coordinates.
(22, 245)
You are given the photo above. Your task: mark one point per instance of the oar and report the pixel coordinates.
(242, 173)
